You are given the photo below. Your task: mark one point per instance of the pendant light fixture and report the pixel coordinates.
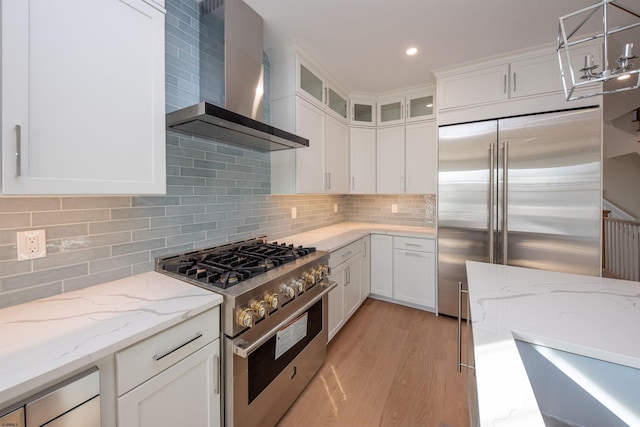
(615, 72)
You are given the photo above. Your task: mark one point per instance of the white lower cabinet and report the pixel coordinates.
(403, 270)
(414, 272)
(347, 271)
(188, 393)
(382, 265)
(173, 377)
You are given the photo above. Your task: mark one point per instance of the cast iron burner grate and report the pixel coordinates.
(231, 266)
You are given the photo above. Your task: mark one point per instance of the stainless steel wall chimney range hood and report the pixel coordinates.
(242, 121)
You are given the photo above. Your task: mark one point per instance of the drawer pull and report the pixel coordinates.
(417, 245)
(347, 254)
(163, 355)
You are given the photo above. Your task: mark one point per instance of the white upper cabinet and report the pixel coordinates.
(525, 75)
(337, 156)
(472, 87)
(323, 166)
(406, 159)
(362, 155)
(317, 89)
(403, 108)
(363, 111)
(310, 165)
(421, 158)
(83, 97)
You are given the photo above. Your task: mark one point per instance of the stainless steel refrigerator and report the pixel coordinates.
(522, 191)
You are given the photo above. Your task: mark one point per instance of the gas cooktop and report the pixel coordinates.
(227, 265)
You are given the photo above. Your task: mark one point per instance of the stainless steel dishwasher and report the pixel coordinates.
(72, 403)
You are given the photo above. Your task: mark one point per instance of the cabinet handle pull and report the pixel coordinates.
(504, 90)
(18, 151)
(348, 276)
(157, 357)
(460, 292)
(402, 183)
(216, 383)
(364, 249)
(414, 254)
(353, 113)
(347, 254)
(329, 185)
(353, 183)
(514, 81)
(417, 245)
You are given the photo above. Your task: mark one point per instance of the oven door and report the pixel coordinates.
(274, 361)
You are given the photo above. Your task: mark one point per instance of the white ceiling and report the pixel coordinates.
(361, 43)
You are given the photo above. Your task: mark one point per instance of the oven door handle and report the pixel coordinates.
(244, 348)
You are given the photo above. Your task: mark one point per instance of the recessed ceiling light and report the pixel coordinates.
(412, 51)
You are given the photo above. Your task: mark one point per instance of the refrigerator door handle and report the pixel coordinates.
(505, 204)
(492, 201)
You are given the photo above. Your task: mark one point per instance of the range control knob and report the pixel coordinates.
(288, 291)
(323, 271)
(246, 318)
(310, 278)
(260, 308)
(300, 286)
(273, 301)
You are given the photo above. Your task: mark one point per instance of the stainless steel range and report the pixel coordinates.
(274, 321)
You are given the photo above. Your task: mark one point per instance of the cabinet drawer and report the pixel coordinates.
(141, 361)
(344, 253)
(414, 244)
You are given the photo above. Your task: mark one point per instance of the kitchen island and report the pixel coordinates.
(589, 316)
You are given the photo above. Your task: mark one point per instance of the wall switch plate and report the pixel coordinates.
(31, 244)
(335, 207)
(394, 208)
(294, 212)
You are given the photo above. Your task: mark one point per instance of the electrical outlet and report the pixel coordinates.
(335, 207)
(394, 208)
(294, 213)
(31, 244)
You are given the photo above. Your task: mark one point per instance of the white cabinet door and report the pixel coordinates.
(337, 156)
(390, 160)
(474, 87)
(391, 110)
(83, 97)
(336, 312)
(414, 277)
(382, 265)
(188, 393)
(363, 111)
(535, 76)
(421, 162)
(365, 289)
(420, 106)
(310, 85)
(310, 172)
(362, 157)
(337, 104)
(353, 286)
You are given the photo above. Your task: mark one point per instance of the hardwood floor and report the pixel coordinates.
(390, 365)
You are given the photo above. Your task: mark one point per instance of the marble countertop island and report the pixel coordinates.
(590, 316)
(46, 339)
(336, 236)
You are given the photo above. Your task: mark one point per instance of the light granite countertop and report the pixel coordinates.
(47, 339)
(590, 316)
(336, 236)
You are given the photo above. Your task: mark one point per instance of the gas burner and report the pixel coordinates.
(229, 265)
